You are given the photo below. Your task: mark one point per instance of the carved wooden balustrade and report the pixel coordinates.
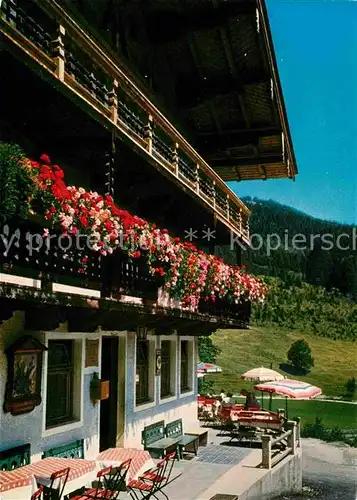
(67, 264)
(75, 63)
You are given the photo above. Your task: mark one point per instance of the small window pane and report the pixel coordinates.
(142, 371)
(165, 368)
(184, 366)
(59, 403)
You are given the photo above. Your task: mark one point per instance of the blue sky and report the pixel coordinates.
(316, 48)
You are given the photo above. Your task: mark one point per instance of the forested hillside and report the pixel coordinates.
(323, 253)
(307, 308)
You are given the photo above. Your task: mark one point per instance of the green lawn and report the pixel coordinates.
(335, 360)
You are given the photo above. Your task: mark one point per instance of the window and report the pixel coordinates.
(60, 381)
(165, 368)
(142, 371)
(185, 366)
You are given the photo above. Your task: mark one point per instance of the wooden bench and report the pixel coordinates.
(202, 435)
(155, 441)
(70, 450)
(175, 430)
(14, 458)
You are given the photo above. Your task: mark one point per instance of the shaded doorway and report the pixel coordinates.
(108, 407)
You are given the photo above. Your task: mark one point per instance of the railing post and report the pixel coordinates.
(58, 52)
(214, 193)
(175, 157)
(240, 221)
(247, 230)
(291, 426)
(113, 101)
(281, 413)
(266, 451)
(9, 11)
(298, 431)
(227, 207)
(148, 133)
(197, 180)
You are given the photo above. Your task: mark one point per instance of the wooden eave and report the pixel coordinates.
(223, 77)
(86, 314)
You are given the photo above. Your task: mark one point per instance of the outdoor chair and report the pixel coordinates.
(58, 482)
(110, 481)
(38, 494)
(152, 482)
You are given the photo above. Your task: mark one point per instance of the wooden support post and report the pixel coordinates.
(109, 166)
(247, 228)
(227, 207)
(239, 259)
(291, 426)
(148, 133)
(240, 221)
(176, 158)
(197, 180)
(58, 52)
(266, 451)
(212, 240)
(298, 432)
(214, 194)
(113, 101)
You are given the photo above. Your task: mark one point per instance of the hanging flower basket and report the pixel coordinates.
(187, 275)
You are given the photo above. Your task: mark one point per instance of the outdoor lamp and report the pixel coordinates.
(141, 332)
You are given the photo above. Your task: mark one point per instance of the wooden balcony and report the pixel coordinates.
(64, 272)
(43, 34)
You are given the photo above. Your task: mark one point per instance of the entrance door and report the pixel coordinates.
(108, 407)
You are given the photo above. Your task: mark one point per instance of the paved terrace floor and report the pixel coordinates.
(219, 468)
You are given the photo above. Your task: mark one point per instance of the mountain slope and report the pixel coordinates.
(297, 247)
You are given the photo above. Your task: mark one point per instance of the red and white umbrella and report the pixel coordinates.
(262, 375)
(294, 389)
(208, 368)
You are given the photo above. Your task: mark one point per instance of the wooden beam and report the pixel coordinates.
(263, 171)
(233, 162)
(237, 131)
(192, 92)
(227, 45)
(163, 26)
(236, 171)
(223, 142)
(193, 50)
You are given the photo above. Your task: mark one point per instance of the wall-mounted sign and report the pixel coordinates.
(23, 388)
(92, 353)
(158, 361)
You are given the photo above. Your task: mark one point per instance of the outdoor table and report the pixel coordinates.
(14, 486)
(82, 473)
(141, 460)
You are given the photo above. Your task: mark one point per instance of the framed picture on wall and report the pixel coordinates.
(24, 373)
(158, 362)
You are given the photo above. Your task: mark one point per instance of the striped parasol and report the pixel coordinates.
(262, 375)
(294, 389)
(208, 368)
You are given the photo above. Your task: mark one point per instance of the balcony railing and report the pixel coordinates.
(66, 264)
(61, 261)
(48, 35)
